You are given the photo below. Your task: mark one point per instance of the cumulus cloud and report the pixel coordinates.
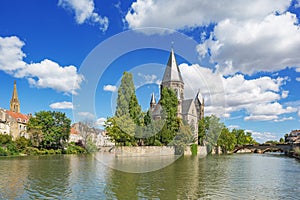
(11, 54)
(110, 88)
(262, 137)
(251, 46)
(177, 14)
(100, 121)
(86, 115)
(49, 74)
(62, 105)
(298, 79)
(257, 97)
(84, 11)
(46, 74)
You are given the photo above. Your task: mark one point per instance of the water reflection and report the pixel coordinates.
(214, 177)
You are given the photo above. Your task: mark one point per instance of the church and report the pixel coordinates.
(12, 121)
(190, 110)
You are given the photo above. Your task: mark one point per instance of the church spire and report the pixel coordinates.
(14, 102)
(172, 72)
(153, 101)
(172, 77)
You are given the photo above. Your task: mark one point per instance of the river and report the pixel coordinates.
(248, 176)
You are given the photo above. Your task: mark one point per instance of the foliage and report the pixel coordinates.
(203, 126)
(214, 130)
(183, 138)
(194, 149)
(52, 129)
(121, 130)
(213, 133)
(74, 149)
(22, 143)
(281, 140)
(226, 140)
(91, 146)
(5, 139)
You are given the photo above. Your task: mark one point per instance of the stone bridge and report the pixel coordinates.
(263, 148)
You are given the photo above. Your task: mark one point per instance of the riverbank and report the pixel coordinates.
(148, 151)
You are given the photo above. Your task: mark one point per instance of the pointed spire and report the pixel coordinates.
(172, 72)
(14, 102)
(153, 101)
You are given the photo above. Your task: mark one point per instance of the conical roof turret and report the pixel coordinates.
(172, 72)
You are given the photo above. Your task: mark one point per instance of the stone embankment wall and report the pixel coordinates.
(154, 151)
(144, 151)
(201, 152)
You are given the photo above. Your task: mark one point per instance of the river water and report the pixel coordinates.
(248, 176)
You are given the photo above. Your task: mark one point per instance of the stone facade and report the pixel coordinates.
(13, 122)
(190, 110)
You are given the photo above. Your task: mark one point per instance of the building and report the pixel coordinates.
(190, 110)
(293, 137)
(4, 123)
(13, 122)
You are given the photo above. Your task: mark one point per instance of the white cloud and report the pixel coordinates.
(101, 121)
(11, 54)
(62, 105)
(86, 115)
(298, 79)
(178, 14)
(147, 79)
(284, 119)
(284, 94)
(84, 12)
(262, 137)
(46, 74)
(257, 97)
(110, 88)
(250, 46)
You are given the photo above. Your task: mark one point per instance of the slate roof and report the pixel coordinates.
(186, 104)
(172, 72)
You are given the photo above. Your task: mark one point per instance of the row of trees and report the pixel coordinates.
(48, 134)
(132, 127)
(213, 133)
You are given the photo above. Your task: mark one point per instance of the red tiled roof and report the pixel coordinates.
(17, 115)
(73, 131)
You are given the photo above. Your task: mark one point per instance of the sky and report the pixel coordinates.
(69, 56)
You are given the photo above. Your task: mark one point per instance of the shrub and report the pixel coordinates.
(3, 152)
(32, 151)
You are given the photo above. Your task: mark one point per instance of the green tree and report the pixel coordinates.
(203, 126)
(169, 103)
(226, 140)
(53, 127)
(121, 130)
(214, 130)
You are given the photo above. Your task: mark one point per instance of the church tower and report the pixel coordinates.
(199, 103)
(172, 79)
(14, 102)
(152, 102)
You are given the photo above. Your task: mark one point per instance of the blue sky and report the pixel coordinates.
(242, 55)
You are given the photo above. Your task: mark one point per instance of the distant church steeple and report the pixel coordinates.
(152, 102)
(14, 102)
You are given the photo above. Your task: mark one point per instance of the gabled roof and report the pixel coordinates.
(172, 72)
(17, 115)
(186, 104)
